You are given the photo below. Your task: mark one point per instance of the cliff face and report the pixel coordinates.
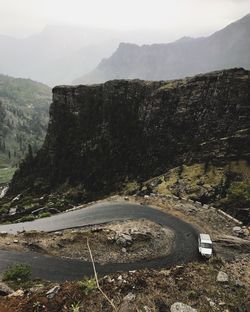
(101, 135)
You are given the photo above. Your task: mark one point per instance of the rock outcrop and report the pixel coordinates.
(100, 136)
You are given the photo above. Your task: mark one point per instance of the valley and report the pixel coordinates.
(107, 184)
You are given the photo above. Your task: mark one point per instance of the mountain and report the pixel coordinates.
(102, 136)
(59, 53)
(24, 114)
(56, 55)
(224, 49)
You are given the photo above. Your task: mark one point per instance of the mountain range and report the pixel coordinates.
(227, 48)
(61, 53)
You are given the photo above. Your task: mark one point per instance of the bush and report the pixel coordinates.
(87, 285)
(17, 272)
(239, 195)
(44, 215)
(216, 262)
(27, 218)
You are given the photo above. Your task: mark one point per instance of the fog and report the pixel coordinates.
(57, 41)
(158, 20)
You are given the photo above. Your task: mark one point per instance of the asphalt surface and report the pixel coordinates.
(56, 269)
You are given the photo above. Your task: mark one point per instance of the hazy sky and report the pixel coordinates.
(178, 17)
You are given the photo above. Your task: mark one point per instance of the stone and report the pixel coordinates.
(238, 283)
(119, 278)
(129, 297)
(124, 240)
(18, 293)
(181, 307)
(238, 230)
(5, 290)
(124, 250)
(222, 277)
(52, 292)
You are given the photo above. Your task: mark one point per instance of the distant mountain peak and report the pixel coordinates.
(226, 48)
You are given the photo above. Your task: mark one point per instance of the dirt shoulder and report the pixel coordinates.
(195, 285)
(123, 241)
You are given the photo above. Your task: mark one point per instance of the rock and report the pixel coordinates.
(58, 233)
(126, 198)
(141, 107)
(212, 304)
(16, 241)
(181, 307)
(5, 290)
(3, 233)
(52, 292)
(222, 277)
(18, 293)
(238, 283)
(124, 240)
(129, 297)
(238, 230)
(124, 250)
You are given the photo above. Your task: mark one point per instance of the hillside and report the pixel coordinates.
(103, 136)
(224, 49)
(24, 106)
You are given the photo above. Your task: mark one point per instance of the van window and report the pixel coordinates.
(206, 245)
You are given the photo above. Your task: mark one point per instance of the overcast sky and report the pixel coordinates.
(21, 18)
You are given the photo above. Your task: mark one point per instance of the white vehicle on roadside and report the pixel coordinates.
(205, 245)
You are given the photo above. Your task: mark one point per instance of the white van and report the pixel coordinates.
(205, 245)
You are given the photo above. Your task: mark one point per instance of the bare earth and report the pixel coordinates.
(123, 241)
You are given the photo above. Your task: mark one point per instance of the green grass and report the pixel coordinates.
(17, 272)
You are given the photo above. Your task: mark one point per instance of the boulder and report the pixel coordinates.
(181, 307)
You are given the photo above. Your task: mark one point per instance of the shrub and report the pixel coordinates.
(239, 195)
(17, 272)
(27, 218)
(44, 215)
(87, 285)
(216, 262)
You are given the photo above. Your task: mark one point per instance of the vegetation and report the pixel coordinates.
(27, 218)
(238, 195)
(6, 174)
(24, 116)
(17, 272)
(87, 285)
(44, 215)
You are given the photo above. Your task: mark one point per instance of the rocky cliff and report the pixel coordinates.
(101, 136)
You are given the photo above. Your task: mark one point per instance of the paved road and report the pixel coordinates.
(56, 269)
